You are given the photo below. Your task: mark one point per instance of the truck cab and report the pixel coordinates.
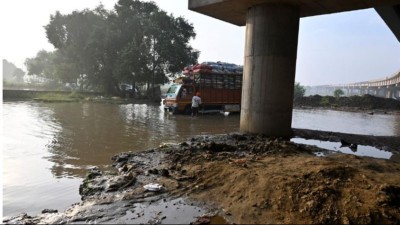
(179, 98)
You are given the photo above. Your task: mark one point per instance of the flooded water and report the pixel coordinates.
(47, 147)
(347, 122)
(361, 150)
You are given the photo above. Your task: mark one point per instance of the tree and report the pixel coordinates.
(19, 75)
(338, 92)
(135, 42)
(170, 49)
(153, 43)
(299, 90)
(8, 70)
(41, 64)
(11, 73)
(52, 66)
(81, 41)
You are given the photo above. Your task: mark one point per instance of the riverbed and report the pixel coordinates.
(47, 147)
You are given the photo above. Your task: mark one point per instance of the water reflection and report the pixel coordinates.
(29, 131)
(93, 133)
(361, 150)
(347, 122)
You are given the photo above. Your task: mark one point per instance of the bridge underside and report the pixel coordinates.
(271, 50)
(234, 11)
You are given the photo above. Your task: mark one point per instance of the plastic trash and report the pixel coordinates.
(153, 187)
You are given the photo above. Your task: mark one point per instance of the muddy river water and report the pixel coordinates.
(47, 147)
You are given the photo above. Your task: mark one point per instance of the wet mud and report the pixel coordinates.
(237, 178)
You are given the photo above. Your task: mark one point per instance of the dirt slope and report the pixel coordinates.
(281, 182)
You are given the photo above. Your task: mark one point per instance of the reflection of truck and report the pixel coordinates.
(220, 90)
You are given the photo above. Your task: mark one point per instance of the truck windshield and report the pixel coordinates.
(173, 89)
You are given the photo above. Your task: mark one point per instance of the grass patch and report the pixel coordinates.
(60, 97)
(325, 101)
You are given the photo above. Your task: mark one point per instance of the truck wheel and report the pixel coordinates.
(174, 110)
(188, 110)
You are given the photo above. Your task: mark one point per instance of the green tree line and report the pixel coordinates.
(299, 90)
(134, 43)
(11, 73)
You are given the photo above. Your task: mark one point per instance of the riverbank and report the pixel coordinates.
(236, 178)
(49, 96)
(365, 103)
(67, 96)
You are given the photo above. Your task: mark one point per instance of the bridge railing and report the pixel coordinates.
(393, 80)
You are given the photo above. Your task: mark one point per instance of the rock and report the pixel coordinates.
(49, 211)
(164, 172)
(202, 220)
(123, 157)
(93, 174)
(119, 182)
(392, 195)
(153, 171)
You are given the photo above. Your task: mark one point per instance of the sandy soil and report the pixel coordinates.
(274, 181)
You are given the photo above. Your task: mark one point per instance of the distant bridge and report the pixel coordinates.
(388, 87)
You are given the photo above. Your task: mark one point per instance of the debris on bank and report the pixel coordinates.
(365, 102)
(236, 178)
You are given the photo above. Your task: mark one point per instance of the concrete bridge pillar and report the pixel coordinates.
(364, 91)
(349, 91)
(390, 92)
(269, 69)
(381, 92)
(397, 91)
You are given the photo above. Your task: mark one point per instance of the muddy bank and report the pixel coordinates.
(352, 103)
(387, 143)
(235, 178)
(120, 197)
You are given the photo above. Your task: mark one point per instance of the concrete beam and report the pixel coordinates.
(391, 16)
(234, 11)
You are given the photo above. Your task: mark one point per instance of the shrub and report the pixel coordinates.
(338, 92)
(325, 101)
(299, 90)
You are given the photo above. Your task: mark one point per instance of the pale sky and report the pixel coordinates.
(333, 49)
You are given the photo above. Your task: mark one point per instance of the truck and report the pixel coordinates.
(219, 85)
